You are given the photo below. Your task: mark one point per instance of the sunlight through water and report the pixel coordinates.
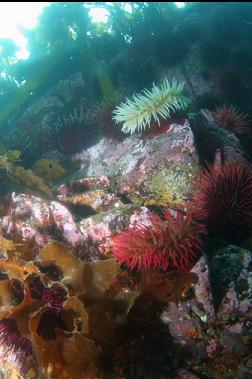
(16, 16)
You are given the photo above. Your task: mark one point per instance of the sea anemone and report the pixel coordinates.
(223, 200)
(231, 119)
(170, 244)
(149, 105)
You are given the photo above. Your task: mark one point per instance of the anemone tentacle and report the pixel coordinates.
(148, 106)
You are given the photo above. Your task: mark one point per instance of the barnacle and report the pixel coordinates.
(148, 106)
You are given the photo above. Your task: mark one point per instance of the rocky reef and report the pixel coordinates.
(126, 193)
(70, 310)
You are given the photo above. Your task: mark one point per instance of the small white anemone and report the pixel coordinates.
(149, 105)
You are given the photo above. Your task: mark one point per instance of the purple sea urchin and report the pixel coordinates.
(13, 342)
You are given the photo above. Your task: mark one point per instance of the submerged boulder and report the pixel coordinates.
(214, 326)
(154, 171)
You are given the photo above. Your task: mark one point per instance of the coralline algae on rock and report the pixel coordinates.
(154, 171)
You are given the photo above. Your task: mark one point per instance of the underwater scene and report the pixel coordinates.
(126, 190)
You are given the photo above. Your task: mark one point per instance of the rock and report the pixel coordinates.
(184, 374)
(231, 278)
(211, 138)
(31, 217)
(205, 331)
(187, 320)
(186, 327)
(56, 97)
(97, 201)
(89, 195)
(203, 290)
(155, 171)
(100, 228)
(83, 185)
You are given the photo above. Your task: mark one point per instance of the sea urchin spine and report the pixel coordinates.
(223, 200)
(14, 344)
(231, 119)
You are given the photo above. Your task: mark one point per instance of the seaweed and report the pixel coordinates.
(21, 178)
